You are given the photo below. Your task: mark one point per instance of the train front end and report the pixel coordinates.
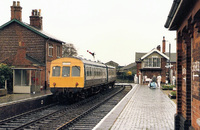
(66, 76)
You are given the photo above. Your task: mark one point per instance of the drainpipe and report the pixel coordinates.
(46, 55)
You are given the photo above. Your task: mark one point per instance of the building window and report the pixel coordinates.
(58, 51)
(152, 62)
(21, 77)
(50, 50)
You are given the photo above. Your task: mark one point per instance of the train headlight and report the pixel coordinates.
(54, 84)
(77, 84)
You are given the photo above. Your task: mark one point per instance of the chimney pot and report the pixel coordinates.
(32, 12)
(14, 3)
(36, 12)
(39, 12)
(18, 3)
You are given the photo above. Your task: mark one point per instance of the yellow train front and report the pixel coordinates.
(72, 76)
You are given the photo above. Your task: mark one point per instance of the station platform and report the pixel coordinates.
(12, 98)
(141, 109)
(15, 104)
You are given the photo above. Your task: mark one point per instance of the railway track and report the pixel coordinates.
(92, 118)
(55, 117)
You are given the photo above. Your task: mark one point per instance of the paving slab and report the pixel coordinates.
(142, 109)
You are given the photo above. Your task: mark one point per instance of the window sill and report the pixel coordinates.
(50, 56)
(153, 68)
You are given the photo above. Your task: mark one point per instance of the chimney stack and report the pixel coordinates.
(16, 11)
(163, 44)
(36, 19)
(158, 47)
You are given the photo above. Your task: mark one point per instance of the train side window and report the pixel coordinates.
(56, 71)
(90, 71)
(65, 71)
(76, 71)
(87, 72)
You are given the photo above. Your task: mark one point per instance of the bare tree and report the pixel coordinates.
(69, 50)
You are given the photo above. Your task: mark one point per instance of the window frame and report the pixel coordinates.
(50, 50)
(153, 62)
(58, 51)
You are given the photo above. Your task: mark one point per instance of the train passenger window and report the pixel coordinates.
(87, 69)
(76, 71)
(65, 71)
(90, 71)
(56, 71)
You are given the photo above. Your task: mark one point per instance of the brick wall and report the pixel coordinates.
(14, 33)
(151, 73)
(188, 69)
(11, 35)
(164, 71)
(195, 75)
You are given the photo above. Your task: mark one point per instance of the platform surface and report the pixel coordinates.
(141, 109)
(11, 98)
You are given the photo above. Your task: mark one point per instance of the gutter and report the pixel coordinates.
(175, 6)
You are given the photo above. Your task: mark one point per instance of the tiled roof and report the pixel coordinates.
(37, 31)
(139, 55)
(129, 66)
(34, 61)
(153, 51)
(172, 57)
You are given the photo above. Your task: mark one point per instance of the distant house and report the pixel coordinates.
(112, 63)
(155, 63)
(131, 67)
(29, 49)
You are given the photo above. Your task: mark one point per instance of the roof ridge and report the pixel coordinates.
(28, 26)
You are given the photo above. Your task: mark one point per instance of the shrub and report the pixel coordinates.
(173, 93)
(168, 87)
(5, 73)
(165, 87)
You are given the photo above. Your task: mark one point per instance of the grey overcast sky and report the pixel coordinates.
(113, 29)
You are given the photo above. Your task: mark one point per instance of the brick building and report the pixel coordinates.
(27, 47)
(154, 63)
(184, 17)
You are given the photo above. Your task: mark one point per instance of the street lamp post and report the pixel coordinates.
(169, 62)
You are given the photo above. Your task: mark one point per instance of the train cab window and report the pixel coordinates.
(56, 71)
(75, 71)
(65, 71)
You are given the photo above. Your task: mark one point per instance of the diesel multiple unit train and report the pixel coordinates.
(72, 76)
